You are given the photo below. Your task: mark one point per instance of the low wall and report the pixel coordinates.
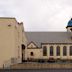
(40, 66)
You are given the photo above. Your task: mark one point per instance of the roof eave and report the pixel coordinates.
(68, 26)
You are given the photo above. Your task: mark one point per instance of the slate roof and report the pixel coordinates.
(49, 37)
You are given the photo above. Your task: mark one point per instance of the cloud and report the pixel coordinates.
(38, 15)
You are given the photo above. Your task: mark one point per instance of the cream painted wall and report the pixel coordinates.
(37, 53)
(11, 38)
(24, 41)
(20, 39)
(7, 41)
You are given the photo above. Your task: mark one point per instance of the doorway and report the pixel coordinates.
(23, 52)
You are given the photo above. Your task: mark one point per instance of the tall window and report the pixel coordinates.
(70, 50)
(64, 51)
(44, 51)
(51, 50)
(58, 51)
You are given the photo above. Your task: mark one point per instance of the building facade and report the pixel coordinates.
(17, 46)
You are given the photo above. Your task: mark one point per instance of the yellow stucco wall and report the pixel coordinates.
(11, 38)
(37, 53)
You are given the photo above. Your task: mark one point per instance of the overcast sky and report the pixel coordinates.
(38, 15)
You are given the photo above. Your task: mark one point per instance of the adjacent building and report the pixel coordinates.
(12, 41)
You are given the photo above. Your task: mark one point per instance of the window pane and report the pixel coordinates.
(70, 50)
(58, 51)
(64, 51)
(31, 54)
(44, 51)
(51, 50)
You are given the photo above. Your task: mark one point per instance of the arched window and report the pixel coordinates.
(44, 51)
(70, 50)
(51, 51)
(58, 51)
(31, 53)
(64, 51)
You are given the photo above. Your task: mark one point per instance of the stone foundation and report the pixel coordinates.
(40, 66)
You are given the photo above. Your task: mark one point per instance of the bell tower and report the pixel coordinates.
(69, 26)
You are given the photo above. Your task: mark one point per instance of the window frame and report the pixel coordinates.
(44, 50)
(51, 51)
(64, 51)
(58, 51)
(70, 50)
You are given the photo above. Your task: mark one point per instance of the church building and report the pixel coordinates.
(50, 45)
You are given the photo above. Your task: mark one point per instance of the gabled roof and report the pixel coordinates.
(49, 37)
(33, 44)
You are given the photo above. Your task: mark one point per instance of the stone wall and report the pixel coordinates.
(41, 66)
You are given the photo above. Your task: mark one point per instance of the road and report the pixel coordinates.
(38, 70)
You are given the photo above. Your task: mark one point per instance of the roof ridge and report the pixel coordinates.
(7, 17)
